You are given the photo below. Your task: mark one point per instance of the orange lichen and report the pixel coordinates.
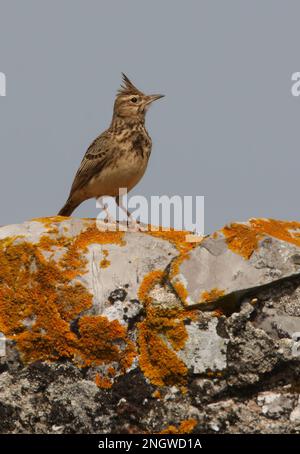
(49, 221)
(49, 243)
(40, 298)
(213, 374)
(103, 341)
(73, 257)
(111, 371)
(104, 263)
(174, 269)
(178, 286)
(158, 362)
(185, 427)
(149, 282)
(178, 239)
(181, 291)
(283, 230)
(218, 312)
(157, 359)
(211, 295)
(177, 335)
(103, 382)
(156, 394)
(93, 235)
(243, 239)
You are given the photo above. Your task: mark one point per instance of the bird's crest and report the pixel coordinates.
(127, 87)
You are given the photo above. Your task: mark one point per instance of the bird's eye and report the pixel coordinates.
(133, 99)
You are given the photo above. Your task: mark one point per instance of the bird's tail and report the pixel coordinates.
(68, 208)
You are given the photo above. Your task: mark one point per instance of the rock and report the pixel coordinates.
(250, 355)
(243, 257)
(277, 324)
(295, 414)
(146, 332)
(274, 404)
(204, 349)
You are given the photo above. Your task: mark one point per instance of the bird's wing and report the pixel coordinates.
(97, 156)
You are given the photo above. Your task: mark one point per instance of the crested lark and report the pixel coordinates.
(118, 157)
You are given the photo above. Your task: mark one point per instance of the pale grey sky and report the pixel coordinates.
(228, 127)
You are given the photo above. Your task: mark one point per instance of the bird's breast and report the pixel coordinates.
(124, 170)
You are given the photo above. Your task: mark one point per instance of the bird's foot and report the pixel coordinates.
(136, 226)
(109, 220)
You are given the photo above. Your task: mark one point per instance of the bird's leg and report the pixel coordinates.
(104, 208)
(132, 223)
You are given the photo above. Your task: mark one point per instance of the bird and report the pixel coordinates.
(118, 157)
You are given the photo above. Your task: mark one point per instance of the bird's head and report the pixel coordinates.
(131, 103)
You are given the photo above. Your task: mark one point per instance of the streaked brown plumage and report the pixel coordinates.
(118, 157)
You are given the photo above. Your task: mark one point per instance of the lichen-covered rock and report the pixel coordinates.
(111, 331)
(204, 350)
(239, 258)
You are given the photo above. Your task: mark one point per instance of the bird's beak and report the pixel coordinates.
(152, 98)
